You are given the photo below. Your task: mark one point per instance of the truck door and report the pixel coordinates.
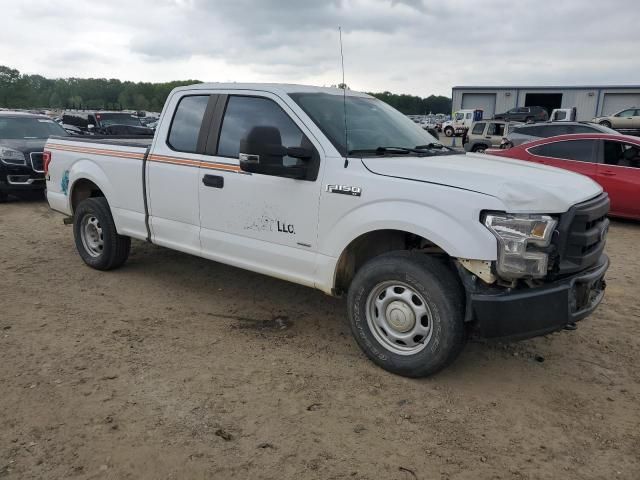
(262, 222)
(173, 174)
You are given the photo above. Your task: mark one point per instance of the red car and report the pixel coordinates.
(611, 160)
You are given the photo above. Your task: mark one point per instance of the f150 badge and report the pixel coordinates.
(345, 190)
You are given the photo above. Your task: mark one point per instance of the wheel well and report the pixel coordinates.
(373, 244)
(83, 189)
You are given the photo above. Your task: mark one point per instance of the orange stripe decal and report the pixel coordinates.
(228, 167)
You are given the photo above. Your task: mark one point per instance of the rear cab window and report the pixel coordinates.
(184, 131)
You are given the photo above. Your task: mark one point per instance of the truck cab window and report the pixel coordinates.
(243, 114)
(185, 127)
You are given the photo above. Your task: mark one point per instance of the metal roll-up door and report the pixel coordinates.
(484, 101)
(614, 102)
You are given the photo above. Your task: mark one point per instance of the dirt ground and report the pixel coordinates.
(174, 367)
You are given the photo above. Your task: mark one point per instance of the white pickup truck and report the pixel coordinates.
(428, 244)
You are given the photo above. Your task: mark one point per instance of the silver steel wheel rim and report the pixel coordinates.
(91, 235)
(399, 318)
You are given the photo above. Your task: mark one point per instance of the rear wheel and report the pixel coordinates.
(406, 313)
(606, 123)
(448, 131)
(96, 238)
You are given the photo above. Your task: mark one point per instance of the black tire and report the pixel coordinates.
(606, 123)
(437, 284)
(448, 131)
(114, 248)
(529, 120)
(4, 196)
(479, 148)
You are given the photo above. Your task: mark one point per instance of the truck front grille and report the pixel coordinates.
(581, 235)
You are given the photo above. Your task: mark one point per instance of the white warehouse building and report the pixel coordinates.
(590, 101)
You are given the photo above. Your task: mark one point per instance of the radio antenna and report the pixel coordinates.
(344, 104)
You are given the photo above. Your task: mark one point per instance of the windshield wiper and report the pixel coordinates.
(429, 146)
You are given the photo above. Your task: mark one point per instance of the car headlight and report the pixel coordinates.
(515, 233)
(9, 156)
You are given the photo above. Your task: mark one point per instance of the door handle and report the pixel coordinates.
(609, 173)
(215, 181)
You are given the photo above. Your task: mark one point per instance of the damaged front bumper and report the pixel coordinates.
(528, 312)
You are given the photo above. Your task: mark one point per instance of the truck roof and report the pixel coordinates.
(278, 88)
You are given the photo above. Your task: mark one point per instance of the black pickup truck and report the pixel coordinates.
(22, 139)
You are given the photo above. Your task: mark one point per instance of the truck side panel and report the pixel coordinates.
(115, 169)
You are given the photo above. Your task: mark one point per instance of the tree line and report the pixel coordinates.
(412, 105)
(35, 91)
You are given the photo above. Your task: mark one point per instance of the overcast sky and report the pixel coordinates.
(420, 47)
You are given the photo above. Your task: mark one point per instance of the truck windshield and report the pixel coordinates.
(107, 119)
(372, 125)
(17, 128)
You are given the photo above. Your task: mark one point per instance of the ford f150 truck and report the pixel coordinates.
(346, 195)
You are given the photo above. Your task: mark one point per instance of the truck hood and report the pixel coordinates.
(522, 186)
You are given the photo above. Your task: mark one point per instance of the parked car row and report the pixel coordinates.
(104, 123)
(22, 139)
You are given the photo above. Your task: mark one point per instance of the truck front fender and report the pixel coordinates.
(458, 237)
(463, 237)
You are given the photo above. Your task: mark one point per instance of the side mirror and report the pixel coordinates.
(262, 152)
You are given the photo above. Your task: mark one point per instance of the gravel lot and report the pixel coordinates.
(177, 367)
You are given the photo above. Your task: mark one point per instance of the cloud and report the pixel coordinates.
(406, 46)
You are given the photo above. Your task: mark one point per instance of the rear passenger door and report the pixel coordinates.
(576, 155)
(173, 172)
(265, 223)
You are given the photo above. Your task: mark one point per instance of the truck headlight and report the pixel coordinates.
(515, 233)
(9, 156)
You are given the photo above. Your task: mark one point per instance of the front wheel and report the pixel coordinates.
(448, 131)
(606, 123)
(529, 120)
(479, 148)
(96, 237)
(406, 312)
